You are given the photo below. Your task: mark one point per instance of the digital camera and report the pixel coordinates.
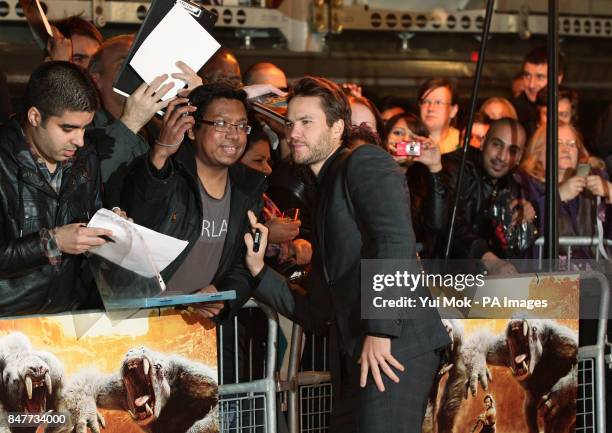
(408, 148)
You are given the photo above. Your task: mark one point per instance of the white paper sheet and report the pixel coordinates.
(178, 36)
(136, 248)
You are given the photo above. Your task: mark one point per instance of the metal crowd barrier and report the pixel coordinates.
(309, 393)
(249, 407)
(575, 241)
(591, 404)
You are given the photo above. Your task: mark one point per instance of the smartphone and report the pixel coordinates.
(583, 170)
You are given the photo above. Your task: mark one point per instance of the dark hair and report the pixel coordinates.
(434, 83)
(391, 102)
(257, 133)
(564, 93)
(333, 100)
(95, 65)
(362, 100)
(539, 56)
(75, 25)
(56, 87)
(415, 124)
(204, 95)
(363, 132)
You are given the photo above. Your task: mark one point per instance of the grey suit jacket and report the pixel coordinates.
(373, 223)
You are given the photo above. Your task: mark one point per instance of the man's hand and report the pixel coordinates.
(430, 155)
(522, 211)
(59, 47)
(123, 214)
(77, 238)
(176, 122)
(255, 90)
(571, 188)
(353, 89)
(302, 250)
(496, 266)
(188, 76)
(376, 356)
(209, 309)
(146, 100)
(255, 260)
(282, 229)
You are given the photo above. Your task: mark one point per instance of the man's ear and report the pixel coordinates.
(191, 134)
(560, 79)
(453, 111)
(34, 117)
(338, 129)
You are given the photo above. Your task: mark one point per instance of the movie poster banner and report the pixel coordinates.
(155, 371)
(510, 376)
(512, 366)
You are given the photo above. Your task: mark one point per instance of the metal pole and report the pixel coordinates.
(468, 129)
(551, 229)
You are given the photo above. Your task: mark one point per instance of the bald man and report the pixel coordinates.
(266, 73)
(485, 178)
(223, 66)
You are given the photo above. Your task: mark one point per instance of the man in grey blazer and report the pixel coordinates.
(362, 212)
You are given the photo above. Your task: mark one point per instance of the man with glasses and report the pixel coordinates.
(195, 190)
(438, 108)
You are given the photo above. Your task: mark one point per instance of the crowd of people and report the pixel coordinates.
(338, 181)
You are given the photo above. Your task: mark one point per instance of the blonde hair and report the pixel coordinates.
(509, 110)
(534, 161)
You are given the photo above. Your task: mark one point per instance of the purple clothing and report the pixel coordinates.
(576, 217)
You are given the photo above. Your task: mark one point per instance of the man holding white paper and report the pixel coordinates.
(195, 190)
(49, 188)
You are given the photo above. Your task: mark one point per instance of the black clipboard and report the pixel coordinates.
(128, 79)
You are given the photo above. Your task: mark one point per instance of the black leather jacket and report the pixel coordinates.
(169, 202)
(474, 232)
(429, 206)
(28, 283)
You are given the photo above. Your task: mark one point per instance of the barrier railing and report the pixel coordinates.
(591, 408)
(576, 241)
(249, 407)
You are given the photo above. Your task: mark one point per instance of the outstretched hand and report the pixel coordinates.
(188, 76)
(376, 356)
(255, 90)
(146, 100)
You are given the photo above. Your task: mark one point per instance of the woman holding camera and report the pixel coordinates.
(584, 190)
(407, 140)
